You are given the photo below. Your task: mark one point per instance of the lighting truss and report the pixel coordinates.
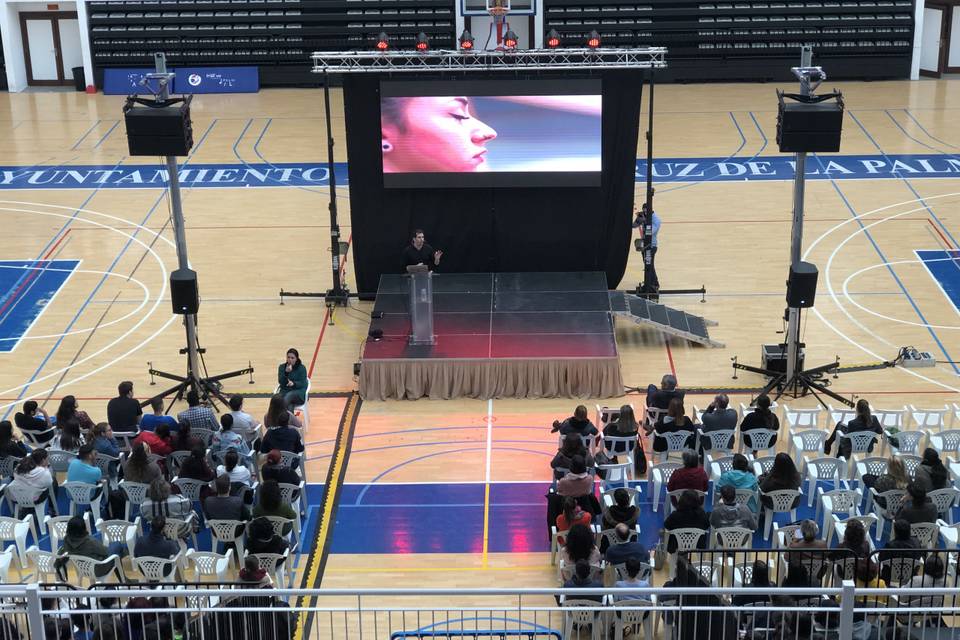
(445, 60)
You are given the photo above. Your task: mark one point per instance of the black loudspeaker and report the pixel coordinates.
(804, 127)
(802, 285)
(183, 291)
(159, 131)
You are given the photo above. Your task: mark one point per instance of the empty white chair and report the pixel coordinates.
(157, 569)
(579, 614)
(660, 477)
(136, 493)
(843, 415)
(888, 510)
(97, 570)
(806, 441)
(6, 557)
(824, 470)
(950, 534)
(622, 448)
(22, 497)
(946, 442)
(12, 529)
(119, 531)
(929, 419)
(799, 419)
(210, 564)
(837, 501)
(44, 563)
(904, 441)
(943, 500)
(617, 473)
(676, 443)
(783, 501)
(630, 613)
(891, 418)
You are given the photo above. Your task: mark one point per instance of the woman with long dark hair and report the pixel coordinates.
(277, 407)
(139, 468)
(783, 475)
(675, 419)
(69, 415)
(292, 379)
(930, 472)
(762, 417)
(572, 446)
(9, 445)
(581, 545)
(195, 466)
(572, 515)
(863, 421)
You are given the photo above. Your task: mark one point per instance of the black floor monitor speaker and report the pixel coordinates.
(184, 292)
(159, 131)
(802, 285)
(804, 127)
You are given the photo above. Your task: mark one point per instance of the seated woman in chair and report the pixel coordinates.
(292, 380)
(572, 446)
(9, 445)
(760, 418)
(863, 422)
(671, 422)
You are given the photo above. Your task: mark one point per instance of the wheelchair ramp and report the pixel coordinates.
(670, 321)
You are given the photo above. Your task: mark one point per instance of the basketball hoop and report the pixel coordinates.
(498, 8)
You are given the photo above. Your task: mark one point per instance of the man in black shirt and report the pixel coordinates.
(123, 412)
(419, 252)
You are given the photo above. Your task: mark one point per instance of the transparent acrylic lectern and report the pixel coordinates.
(421, 305)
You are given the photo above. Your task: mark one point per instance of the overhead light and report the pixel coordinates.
(423, 43)
(510, 39)
(593, 40)
(553, 39)
(466, 41)
(383, 42)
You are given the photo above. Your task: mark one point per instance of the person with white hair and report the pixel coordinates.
(660, 398)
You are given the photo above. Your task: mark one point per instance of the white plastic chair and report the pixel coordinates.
(651, 416)
(893, 501)
(210, 564)
(175, 460)
(946, 442)
(763, 465)
(731, 538)
(108, 466)
(293, 495)
(84, 495)
(606, 415)
(783, 502)
(157, 569)
(950, 534)
(57, 529)
(929, 419)
(39, 439)
(288, 458)
(228, 532)
(175, 525)
(901, 568)
(824, 470)
(943, 500)
(907, 441)
(60, 460)
(676, 443)
(581, 614)
(6, 557)
(875, 465)
(955, 415)
(275, 564)
(204, 435)
(717, 466)
(927, 533)
(761, 440)
(783, 535)
(837, 501)
(612, 537)
(7, 466)
(285, 528)
(614, 474)
(860, 444)
(125, 440)
(675, 494)
(842, 415)
(660, 477)
(910, 463)
(21, 497)
(119, 531)
(629, 614)
(802, 418)
(744, 409)
(304, 409)
(606, 498)
(44, 563)
(806, 441)
(191, 488)
(868, 521)
(687, 540)
(136, 493)
(93, 570)
(12, 529)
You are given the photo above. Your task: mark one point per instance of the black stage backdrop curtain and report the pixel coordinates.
(494, 229)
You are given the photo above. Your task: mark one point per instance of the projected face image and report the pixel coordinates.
(437, 134)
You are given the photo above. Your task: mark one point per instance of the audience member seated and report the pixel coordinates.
(271, 504)
(934, 576)
(10, 445)
(730, 514)
(867, 576)
(759, 580)
(79, 542)
(103, 440)
(673, 420)
(577, 482)
(262, 539)
(292, 380)
(157, 545)
(583, 578)
(161, 502)
(185, 440)
(159, 440)
(806, 549)
(760, 418)
(689, 514)
(579, 423)
(854, 539)
(224, 506)
(690, 476)
(621, 511)
(199, 416)
(69, 416)
(196, 467)
(572, 514)
(783, 475)
(624, 548)
(633, 565)
(572, 446)
(67, 441)
(34, 420)
(139, 467)
(253, 573)
(862, 422)
(902, 545)
(277, 409)
(930, 473)
(283, 436)
(701, 612)
(84, 468)
(718, 416)
(917, 507)
(625, 426)
(123, 412)
(274, 469)
(33, 474)
(243, 422)
(895, 477)
(232, 466)
(227, 439)
(150, 422)
(660, 398)
(581, 545)
(740, 476)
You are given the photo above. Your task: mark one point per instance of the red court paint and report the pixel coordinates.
(673, 368)
(33, 274)
(326, 316)
(940, 233)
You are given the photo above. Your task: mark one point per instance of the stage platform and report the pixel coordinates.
(499, 335)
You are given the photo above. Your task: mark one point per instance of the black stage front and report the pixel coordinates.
(520, 335)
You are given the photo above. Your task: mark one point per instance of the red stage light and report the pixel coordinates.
(593, 41)
(510, 40)
(422, 42)
(553, 39)
(383, 42)
(466, 41)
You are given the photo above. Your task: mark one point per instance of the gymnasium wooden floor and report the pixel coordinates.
(450, 493)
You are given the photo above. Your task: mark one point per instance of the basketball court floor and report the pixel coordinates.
(450, 493)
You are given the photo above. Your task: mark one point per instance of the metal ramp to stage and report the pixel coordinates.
(670, 321)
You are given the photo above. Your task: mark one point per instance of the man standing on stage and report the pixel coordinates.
(419, 252)
(650, 228)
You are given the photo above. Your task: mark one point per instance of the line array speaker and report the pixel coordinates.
(804, 127)
(159, 131)
(184, 292)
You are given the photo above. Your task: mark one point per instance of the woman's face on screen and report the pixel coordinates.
(436, 134)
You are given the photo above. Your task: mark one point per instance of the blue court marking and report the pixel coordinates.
(944, 268)
(103, 279)
(106, 135)
(84, 136)
(930, 135)
(28, 287)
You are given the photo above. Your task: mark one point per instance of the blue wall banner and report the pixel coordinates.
(186, 80)
(314, 174)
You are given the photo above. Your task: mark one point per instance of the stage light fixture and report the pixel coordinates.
(383, 42)
(510, 39)
(553, 39)
(423, 43)
(466, 41)
(593, 40)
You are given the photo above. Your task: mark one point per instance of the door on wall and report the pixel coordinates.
(51, 46)
(933, 40)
